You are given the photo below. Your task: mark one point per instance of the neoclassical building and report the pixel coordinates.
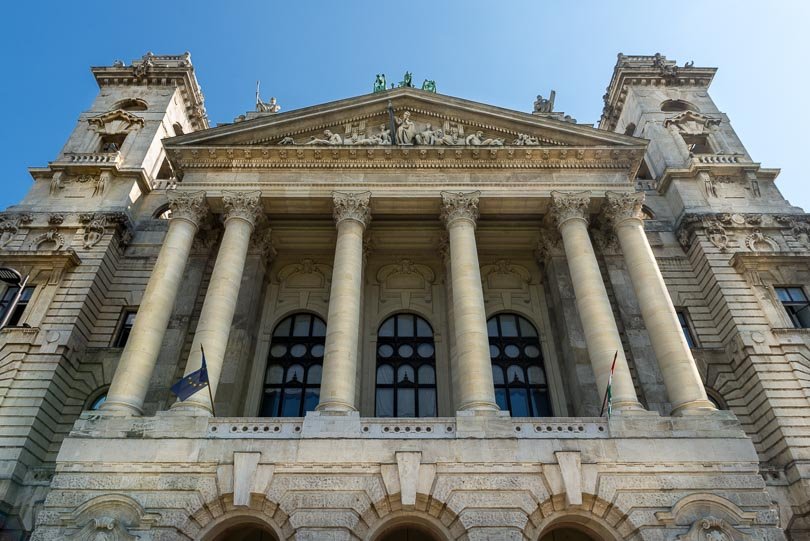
(410, 305)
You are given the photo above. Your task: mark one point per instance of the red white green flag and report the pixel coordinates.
(607, 401)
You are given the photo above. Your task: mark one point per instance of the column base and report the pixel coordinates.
(191, 409)
(480, 406)
(335, 406)
(114, 407)
(695, 407)
(628, 407)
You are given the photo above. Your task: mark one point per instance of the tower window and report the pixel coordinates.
(178, 129)
(292, 381)
(796, 305)
(112, 142)
(125, 328)
(132, 104)
(517, 367)
(677, 106)
(697, 144)
(406, 368)
(165, 170)
(22, 304)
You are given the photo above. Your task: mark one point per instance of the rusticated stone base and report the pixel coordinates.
(472, 477)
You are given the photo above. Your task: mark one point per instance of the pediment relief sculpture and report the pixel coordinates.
(406, 275)
(116, 121)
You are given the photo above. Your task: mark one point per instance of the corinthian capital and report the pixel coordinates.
(569, 205)
(621, 206)
(457, 206)
(351, 206)
(244, 205)
(189, 206)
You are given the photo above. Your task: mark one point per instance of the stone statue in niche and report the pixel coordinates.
(406, 130)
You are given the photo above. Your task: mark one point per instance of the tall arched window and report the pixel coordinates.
(292, 382)
(517, 367)
(406, 368)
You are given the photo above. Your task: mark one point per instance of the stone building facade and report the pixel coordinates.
(410, 305)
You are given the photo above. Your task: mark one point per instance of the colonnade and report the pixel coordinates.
(569, 213)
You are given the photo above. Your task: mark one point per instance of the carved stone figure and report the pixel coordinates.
(329, 139)
(56, 183)
(94, 231)
(266, 107)
(101, 184)
(525, 140)
(407, 80)
(426, 136)
(543, 105)
(406, 130)
(447, 138)
(379, 83)
(287, 141)
(429, 85)
(384, 137)
(475, 139)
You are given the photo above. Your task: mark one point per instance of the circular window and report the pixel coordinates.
(278, 351)
(385, 351)
(298, 350)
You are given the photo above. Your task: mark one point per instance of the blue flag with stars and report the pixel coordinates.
(191, 383)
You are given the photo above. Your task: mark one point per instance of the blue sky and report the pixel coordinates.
(503, 53)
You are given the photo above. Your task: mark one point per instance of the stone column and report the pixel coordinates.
(570, 213)
(339, 381)
(131, 379)
(473, 370)
(681, 376)
(242, 210)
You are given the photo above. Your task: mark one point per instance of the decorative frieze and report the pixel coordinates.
(190, 206)
(351, 206)
(459, 206)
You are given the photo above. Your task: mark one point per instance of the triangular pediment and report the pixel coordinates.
(421, 119)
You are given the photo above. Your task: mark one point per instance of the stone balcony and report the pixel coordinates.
(108, 159)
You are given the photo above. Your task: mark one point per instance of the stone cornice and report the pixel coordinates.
(351, 206)
(393, 157)
(719, 165)
(459, 206)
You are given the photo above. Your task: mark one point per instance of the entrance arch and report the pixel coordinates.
(240, 526)
(408, 526)
(407, 533)
(568, 534)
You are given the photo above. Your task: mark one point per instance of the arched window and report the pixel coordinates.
(96, 400)
(675, 106)
(178, 129)
(406, 368)
(517, 366)
(292, 382)
(132, 104)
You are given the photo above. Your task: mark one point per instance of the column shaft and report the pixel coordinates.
(681, 376)
(131, 379)
(339, 381)
(595, 313)
(216, 317)
(473, 370)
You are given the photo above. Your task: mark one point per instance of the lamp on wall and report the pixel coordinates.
(13, 278)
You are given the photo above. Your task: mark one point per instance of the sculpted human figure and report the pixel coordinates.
(426, 137)
(287, 141)
(475, 139)
(384, 136)
(379, 83)
(406, 130)
(329, 139)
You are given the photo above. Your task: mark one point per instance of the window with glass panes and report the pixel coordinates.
(517, 367)
(796, 304)
(292, 381)
(406, 368)
(687, 331)
(19, 309)
(127, 321)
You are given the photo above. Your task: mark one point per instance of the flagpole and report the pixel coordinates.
(610, 378)
(210, 395)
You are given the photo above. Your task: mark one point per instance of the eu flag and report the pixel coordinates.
(191, 383)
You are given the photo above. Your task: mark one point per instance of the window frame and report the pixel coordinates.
(22, 305)
(415, 361)
(287, 361)
(505, 362)
(687, 327)
(119, 338)
(789, 305)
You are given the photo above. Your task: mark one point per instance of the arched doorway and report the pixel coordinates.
(568, 534)
(246, 532)
(408, 533)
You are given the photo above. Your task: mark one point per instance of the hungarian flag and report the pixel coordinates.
(609, 391)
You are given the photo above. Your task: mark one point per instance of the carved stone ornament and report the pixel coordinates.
(716, 234)
(351, 206)
(10, 225)
(549, 244)
(690, 122)
(53, 236)
(104, 528)
(188, 206)
(621, 206)
(568, 206)
(459, 206)
(93, 229)
(244, 205)
(116, 121)
(109, 518)
(757, 242)
(261, 243)
(713, 529)
(56, 219)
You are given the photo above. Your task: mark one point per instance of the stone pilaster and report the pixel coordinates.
(681, 377)
(570, 214)
(131, 380)
(472, 373)
(339, 382)
(242, 210)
